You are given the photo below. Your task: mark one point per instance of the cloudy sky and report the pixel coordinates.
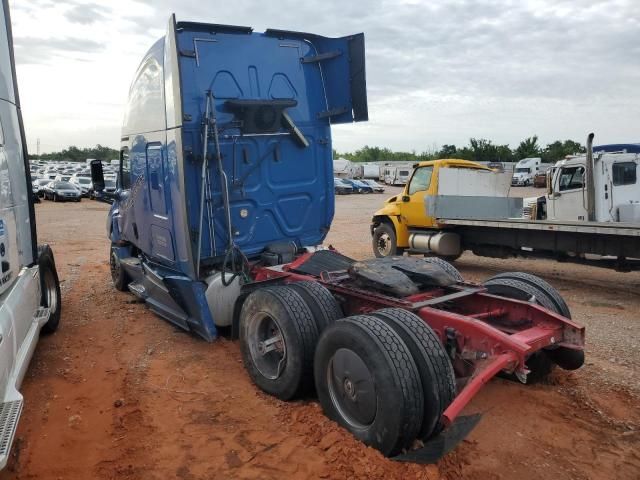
(438, 72)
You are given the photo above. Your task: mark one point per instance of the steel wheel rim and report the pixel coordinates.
(267, 346)
(50, 291)
(384, 244)
(352, 388)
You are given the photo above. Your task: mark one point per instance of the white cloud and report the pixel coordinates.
(437, 72)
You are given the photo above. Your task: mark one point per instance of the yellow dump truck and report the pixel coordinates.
(402, 223)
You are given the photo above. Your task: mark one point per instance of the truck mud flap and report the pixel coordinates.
(437, 447)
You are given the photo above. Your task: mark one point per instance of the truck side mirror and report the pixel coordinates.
(406, 198)
(97, 176)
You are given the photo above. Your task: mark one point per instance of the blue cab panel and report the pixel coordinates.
(226, 146)
(280, 184)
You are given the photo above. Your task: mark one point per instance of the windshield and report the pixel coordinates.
(523, 170)
(404, 173)
(84, 181)
(108, 183)
(64, 185)
(421, 180)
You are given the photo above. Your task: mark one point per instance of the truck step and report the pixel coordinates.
(138, 290)
(9, 415)
(131, 261)
(42, 315)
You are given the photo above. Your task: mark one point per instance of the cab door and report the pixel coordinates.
(413, 206)
(569, 198)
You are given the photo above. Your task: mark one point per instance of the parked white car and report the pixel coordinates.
(83, 183)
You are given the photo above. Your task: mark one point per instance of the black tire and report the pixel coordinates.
(435, 370)
(324, 307)
(51, 297)
(367, 381)
(519, 290)
(446, 266)
(539, 363)
(278, 311)
(561, 307)
(384, 241)
(55, 197)
(118, 275)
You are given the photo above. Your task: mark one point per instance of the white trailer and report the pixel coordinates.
(392, 174)
(371, 171)
(29, 287)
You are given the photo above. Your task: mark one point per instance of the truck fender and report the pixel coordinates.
(402, 234)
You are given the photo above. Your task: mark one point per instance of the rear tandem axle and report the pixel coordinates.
(453, 339)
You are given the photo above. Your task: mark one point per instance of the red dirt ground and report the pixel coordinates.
(118, 393)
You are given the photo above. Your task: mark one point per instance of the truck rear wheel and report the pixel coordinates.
(50, 288)
(367, 381)
(446, 266)
(519, 290)
(434, 367)
(323, 305)
(561, 307)
(542, 362)
(278, 336)
(119, 277)
(385, 242)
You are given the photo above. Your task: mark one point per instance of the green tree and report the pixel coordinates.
(75, 154)
(447, 151)
(558, 150)
(528, 148)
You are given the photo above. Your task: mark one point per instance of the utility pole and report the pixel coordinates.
(38, 148)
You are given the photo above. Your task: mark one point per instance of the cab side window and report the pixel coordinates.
(125, 169)
(624, 173)
(421, 180)
(571, 178)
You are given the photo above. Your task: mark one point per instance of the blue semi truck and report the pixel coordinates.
(225, 194)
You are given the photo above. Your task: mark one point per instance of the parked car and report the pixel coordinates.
(359, 186)
(109, 187)
(63, 177)
(375, 185)
(83, 183)
(61, 191)
(35, 189)
(341, 187)
(41, 183)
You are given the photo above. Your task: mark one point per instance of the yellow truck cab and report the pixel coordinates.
(403, 224)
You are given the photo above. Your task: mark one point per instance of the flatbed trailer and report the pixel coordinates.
(577, 242)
